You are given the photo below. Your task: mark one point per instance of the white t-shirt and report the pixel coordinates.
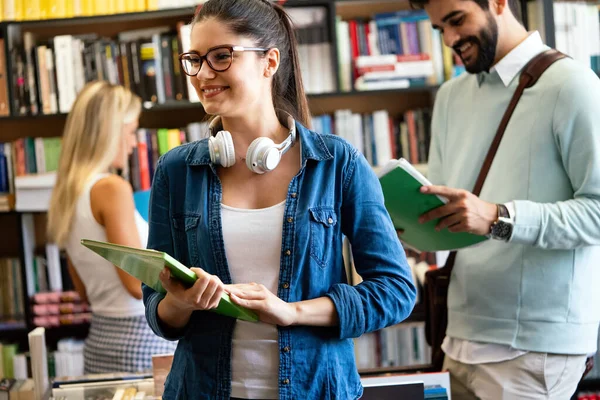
(253, 249)
(105, 291)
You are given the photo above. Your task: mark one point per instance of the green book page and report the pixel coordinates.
(405, 204)
(146, 265)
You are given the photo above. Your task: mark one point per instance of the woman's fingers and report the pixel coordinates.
(209, 292)
(171, 285)
(216, 298)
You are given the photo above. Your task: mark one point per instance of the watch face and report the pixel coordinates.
(502, 230)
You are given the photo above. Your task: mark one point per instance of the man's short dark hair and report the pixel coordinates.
(484, 4)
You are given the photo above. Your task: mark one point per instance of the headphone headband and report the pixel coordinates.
(263, 154)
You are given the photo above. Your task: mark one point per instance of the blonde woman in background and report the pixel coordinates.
(91, 202)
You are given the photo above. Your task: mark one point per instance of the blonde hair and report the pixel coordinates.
(91, 139)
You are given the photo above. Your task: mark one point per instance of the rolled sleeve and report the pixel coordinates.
(349, 307)
(387, 294)
(151, 301)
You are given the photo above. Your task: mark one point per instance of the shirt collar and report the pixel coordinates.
(512, 63)
(313, 148)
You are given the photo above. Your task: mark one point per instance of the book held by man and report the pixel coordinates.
(401, 184)
(146, 265)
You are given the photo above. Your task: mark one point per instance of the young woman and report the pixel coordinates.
(259, 211)
(92, 203)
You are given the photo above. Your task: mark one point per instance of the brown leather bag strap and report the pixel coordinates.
(530, 75)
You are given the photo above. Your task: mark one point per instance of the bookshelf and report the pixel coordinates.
(183, 112)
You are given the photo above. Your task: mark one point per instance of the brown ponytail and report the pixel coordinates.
(292, 91)
(270, 26)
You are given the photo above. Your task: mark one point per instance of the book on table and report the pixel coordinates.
(146, 265)
(401, 184)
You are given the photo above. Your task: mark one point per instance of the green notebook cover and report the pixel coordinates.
(401, 184)
(146, 266)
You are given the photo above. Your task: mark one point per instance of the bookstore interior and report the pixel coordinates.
(374, 71)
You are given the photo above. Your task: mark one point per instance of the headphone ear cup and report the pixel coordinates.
(221, 149)
(262, 155)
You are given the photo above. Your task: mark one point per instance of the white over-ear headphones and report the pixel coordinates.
(263, 154)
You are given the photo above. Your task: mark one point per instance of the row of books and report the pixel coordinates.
(51, 309)
(67, 360)
(577, 31)
(392, 50)
(32, 10)
(379, 136)
(26, 162)
(47, 74)
(22, 158)
(152, 143)
(588, 395)
(396, 346)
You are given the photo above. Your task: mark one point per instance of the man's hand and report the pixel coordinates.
(464, 211)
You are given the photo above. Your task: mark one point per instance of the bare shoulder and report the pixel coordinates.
(110, 194)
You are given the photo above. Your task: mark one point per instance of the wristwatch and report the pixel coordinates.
(502, 227)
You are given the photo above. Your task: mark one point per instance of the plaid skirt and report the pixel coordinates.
(122, 345)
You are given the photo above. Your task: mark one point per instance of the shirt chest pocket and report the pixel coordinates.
(185, 228)
(323, 223)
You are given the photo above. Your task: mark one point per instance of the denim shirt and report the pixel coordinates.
(335, 193)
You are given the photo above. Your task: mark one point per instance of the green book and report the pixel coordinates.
(401, 184)
(146, 266)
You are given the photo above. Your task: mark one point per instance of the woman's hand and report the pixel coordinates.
(270, 308)
(204, 295)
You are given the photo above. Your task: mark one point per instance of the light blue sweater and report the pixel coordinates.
(541, 291)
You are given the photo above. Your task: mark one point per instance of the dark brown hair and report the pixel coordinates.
(270, 26)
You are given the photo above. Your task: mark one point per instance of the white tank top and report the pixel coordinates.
(253, 248)
(105, 291)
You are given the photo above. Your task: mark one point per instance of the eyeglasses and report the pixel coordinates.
(218, 58)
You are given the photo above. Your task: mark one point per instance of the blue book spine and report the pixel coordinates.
(4, 188)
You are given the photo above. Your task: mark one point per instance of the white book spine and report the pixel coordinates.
(160, 79)
(78, 65)
(51, 81)
(184, 33)
(54, 270)
(28, 229)
(63, 46)
(344, 56)
(381, 85)
(40, 155)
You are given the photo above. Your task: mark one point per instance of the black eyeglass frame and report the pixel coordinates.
(204, 57)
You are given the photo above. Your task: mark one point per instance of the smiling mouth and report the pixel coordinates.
(214, 91)
(465, 50)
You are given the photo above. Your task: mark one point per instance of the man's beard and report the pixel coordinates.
(485, 45)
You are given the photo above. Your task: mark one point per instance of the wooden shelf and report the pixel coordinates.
(353, 9)
(181, 113)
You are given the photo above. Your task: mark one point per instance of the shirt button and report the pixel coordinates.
(285, 285)
(290, 220)
(288, 252)
(286, 381)
(330, 220)
(294, 195)
(286, 349)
